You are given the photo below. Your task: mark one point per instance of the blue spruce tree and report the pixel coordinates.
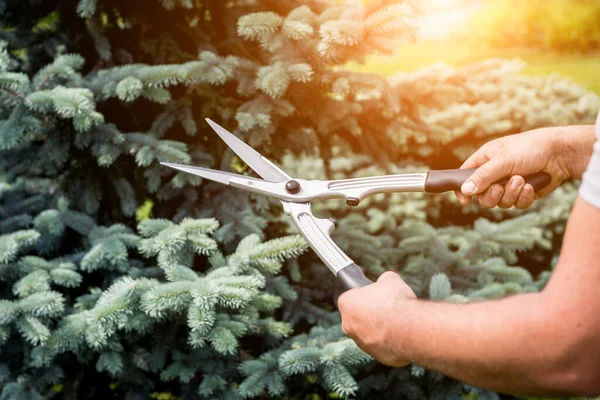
(122, 278)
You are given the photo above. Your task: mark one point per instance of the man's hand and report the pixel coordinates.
(367, 317)
(561, 152)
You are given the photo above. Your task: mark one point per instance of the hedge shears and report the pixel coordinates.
(296, 194)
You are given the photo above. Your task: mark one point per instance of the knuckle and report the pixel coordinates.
(523, 205)
(484, 201)
(527, 193)
(387, 275)
(490, 204)
(503, 158)
(490, 146)
(518, 181)
(501, 147)
(489, 199)
(510, 195)
(509, 198)
(478, 176)
(345, 329)
(525, 200)
(496, 191)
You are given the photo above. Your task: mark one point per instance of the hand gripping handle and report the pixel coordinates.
(353, 277)
(316, 232)
(447, 180)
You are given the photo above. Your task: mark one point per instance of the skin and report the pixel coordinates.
(562, 152)
(534, 344)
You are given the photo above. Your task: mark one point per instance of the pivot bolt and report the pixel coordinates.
(292, 187)
(352, 201)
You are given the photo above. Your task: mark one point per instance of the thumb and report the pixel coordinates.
(484, 176)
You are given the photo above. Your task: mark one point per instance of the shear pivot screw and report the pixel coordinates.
(292, 187)
(352, 201)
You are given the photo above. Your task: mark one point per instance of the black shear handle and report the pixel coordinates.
(353, 277)
(447, 180)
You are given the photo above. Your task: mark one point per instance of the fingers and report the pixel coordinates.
(549, 188)
(526, 197)
(347, 297)
(476, 159)
(463, 199)
(516, 193)
(484, 176)
(491, 197)
(512, 190)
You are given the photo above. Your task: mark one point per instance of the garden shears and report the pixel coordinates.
(296, 194)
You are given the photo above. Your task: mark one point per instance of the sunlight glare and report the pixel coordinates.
(444, 17)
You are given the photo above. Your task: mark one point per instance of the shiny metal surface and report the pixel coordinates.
(316, 232)
(211, 174)
(258, 163)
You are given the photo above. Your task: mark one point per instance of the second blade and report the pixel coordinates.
(250, 156)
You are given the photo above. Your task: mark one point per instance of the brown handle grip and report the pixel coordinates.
(447, 180)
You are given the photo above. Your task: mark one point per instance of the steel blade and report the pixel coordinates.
(258, 163)
(207, 173)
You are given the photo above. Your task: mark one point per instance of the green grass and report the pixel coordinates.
(582, 68)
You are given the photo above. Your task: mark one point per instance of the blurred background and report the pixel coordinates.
(120, 278)
(552, 36)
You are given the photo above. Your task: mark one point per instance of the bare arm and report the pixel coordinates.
(540, 344)
(575, 144)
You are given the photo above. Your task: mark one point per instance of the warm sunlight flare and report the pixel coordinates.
(299, 199)
(444, 17)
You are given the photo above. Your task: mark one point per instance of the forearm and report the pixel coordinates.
(540, 344)
(508, 345)
(574, 146)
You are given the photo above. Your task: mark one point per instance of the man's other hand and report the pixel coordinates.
(515, 156)
(368, 317)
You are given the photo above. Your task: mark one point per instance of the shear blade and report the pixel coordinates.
(258, 163)
(207, 173)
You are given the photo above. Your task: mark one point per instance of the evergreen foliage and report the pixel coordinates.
(214, 296)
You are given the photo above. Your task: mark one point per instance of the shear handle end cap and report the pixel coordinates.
(353, 277)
